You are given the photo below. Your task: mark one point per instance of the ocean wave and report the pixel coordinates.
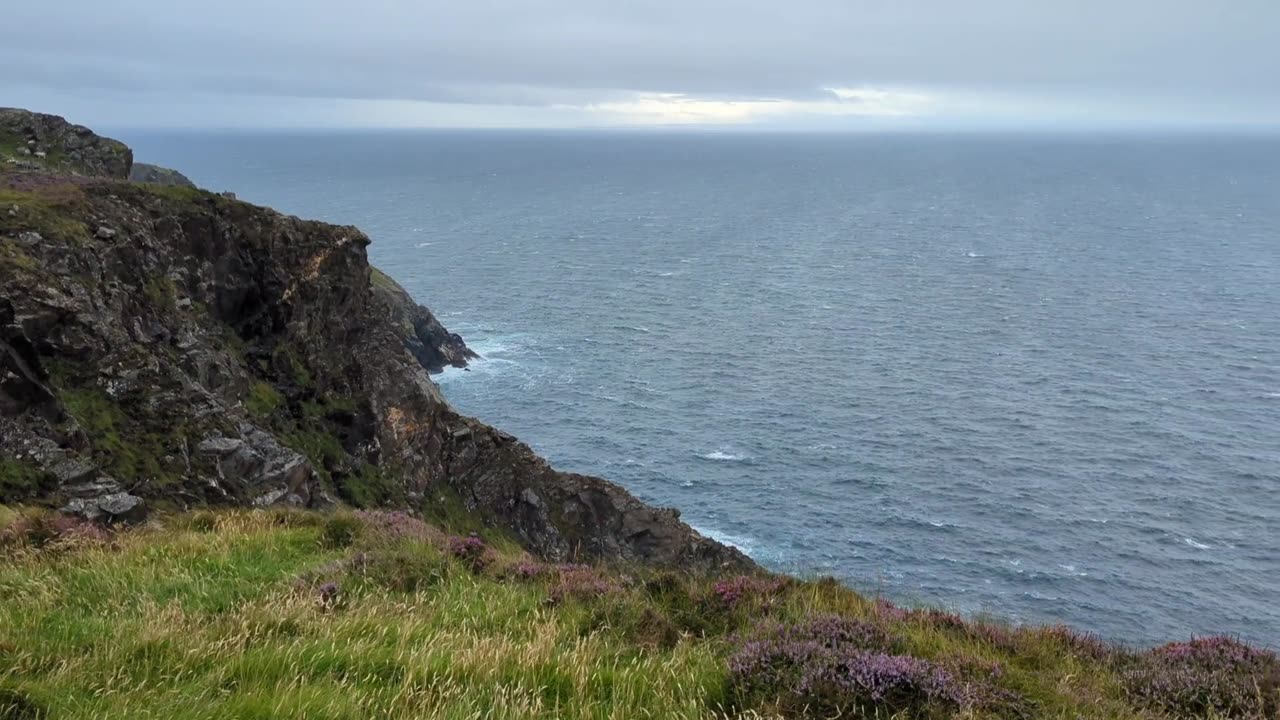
(721, 456)
(745, 544)
(1196, 545)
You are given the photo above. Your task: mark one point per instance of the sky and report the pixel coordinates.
(760, 64)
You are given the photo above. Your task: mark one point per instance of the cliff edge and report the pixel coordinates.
(164, 346)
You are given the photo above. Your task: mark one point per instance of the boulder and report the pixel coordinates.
(110, 509)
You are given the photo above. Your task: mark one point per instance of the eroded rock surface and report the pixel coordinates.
(181, 348)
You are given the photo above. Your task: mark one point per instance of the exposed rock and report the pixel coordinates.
(115, 508)
(144, 172)
(213, 352)
(258, 467)
(435, 347)
(67, 148)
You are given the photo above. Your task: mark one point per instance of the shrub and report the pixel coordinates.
(203, 521)
(1206, 676)
(38, 528)
(339, 531)
(640, 624)
(403, 569)
(470, 551)
(829, 631)
(580, 582)
(835, 666)
(530, 570)
(396, 525)
(329, 595)
(743, 588)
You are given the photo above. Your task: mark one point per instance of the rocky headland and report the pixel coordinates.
(165, 347)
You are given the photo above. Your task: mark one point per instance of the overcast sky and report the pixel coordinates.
(572, 63)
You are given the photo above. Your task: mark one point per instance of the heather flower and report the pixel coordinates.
(529, 570)
(396, 525)
(829, 631)
(1213, 675)
(891, 611)
(471, 551)
(832, 664)
(580, 582)
(729, 593)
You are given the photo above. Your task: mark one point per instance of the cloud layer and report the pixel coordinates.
(567, 62)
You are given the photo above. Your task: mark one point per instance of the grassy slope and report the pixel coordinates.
(224, 616)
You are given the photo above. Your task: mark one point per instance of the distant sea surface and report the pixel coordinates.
(1030, 376)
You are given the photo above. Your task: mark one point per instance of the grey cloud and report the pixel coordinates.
(573, 52)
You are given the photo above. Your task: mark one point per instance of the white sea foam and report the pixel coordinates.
(721, 456)
(746, 545)
(1194, 544)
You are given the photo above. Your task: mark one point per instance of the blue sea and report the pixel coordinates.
(1030, 376)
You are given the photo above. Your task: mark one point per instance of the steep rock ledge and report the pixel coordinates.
(173, 347)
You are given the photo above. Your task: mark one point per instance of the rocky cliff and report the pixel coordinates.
(147, 173)
(163, 346)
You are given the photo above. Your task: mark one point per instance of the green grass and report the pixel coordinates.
(49, 211)
(262, 399)
(221, 615)
(20, 480)
(131, 448)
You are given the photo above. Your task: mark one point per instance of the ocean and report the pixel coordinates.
(1029, 376)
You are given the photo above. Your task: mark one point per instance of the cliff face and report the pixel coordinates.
(166, 346)
(144, 172)
(48, 142)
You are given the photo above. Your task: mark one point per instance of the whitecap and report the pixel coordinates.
(721, 456)
(425, 244)
(1194, 544)
(746, 545)
(973, 254)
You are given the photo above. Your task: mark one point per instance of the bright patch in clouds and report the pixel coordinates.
(682, 109)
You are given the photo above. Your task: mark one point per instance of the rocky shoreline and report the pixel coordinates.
(166, 347)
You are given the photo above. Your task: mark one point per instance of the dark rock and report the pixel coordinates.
(67, 148)
(120, 507)
(423, 336)
(216, 352)
(144, 172)
(261, 468)
(104, 233)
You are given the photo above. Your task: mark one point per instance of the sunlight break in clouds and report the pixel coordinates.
(682, 109)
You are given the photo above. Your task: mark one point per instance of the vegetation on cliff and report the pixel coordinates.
(165, 347)
(293, 614)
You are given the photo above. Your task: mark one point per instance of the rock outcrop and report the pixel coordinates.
(183, 348)
(40, 141)
(423, 336)
(144, 172)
